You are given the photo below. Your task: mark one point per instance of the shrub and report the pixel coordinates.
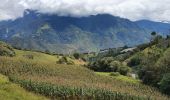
(6, 50)
(65, 60)
(134, 61)
(108, 64)
(62, 60)
(114, 65)
(123, 70)
(76, 55)
(165, 84)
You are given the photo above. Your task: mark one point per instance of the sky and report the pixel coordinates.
(155, 10)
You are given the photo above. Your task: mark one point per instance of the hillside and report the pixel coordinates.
(152, 63)
(63, 81)
(147, 62)
(62, 34)
(159, 27)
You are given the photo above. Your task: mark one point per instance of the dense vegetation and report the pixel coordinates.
(149, 61)
(6, 50)
(108, 64)
(153, 63)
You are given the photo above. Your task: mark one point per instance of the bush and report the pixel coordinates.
(65, 60)
(76, 55)
(134, 61)
(114, 65)
(165, 84)
(108, 64)
(123, 70)
(102, 65)
(6, 50)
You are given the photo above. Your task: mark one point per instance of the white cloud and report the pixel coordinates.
(132, 9)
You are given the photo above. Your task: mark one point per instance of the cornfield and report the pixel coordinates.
(71, 82)
(69, 93)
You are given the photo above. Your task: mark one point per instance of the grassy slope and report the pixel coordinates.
(10, 91)
(42, 57)
(37, 56)
(146, 52)
(120, 77)
(44, 69)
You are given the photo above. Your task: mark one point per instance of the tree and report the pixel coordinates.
(76, 55)
(153, 33)
(134, 62)
(165, 84)
(123, 70)
(108, 64)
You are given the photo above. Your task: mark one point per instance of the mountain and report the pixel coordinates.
(65, 34)
(163, 28)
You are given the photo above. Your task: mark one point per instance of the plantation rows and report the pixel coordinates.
(72, 82)
(69, 93)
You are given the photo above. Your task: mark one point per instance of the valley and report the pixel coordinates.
(84, 50)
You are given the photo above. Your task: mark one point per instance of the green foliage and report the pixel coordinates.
(102, 65)
(134, 61)
(153, 33)
(115, 65)
(108, 64)
(6, 50)
(153, 63)
(123, 70)
(165, 83)
(76, 55)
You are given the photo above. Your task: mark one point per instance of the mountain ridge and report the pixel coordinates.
(64, 34)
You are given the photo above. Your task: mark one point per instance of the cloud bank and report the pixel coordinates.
(156, 10)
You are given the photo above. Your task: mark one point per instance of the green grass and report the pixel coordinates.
(10, 91)
(37, 56)
(120, 77)
(42, 57)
